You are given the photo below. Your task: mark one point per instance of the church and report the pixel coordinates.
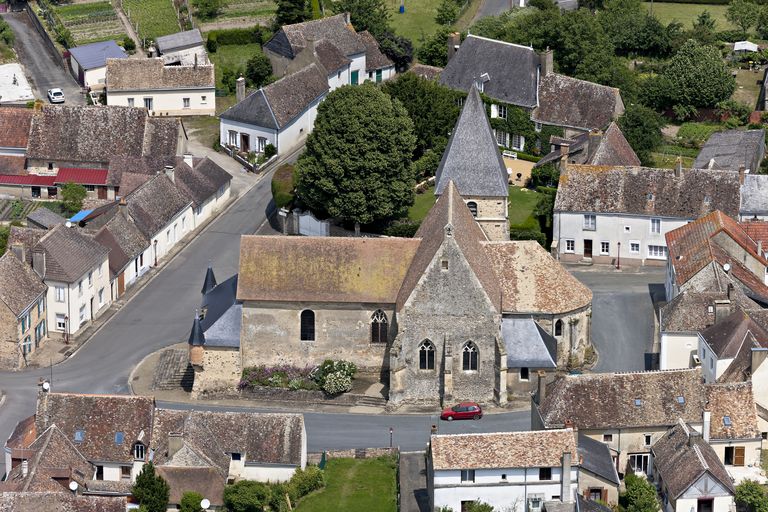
(458, 312)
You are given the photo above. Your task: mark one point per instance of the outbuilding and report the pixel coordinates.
(89, 62)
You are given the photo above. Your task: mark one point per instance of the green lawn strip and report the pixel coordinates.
(206, 128)
(668, 161)
(82, 12)
(355, 484)
(671, 149)
(231, 56)
(522, 202)
(422, 204)
(687, 14)
(154, 17)
(418, 20)
(747, 87)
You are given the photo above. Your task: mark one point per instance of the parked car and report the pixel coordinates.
(56, 95)
(462, 411)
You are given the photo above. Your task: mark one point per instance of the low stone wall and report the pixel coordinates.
(360, 453)
(263, 393)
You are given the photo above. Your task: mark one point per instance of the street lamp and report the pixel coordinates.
(618, 258)
(391, 431)
(66, 329)
(155, 246)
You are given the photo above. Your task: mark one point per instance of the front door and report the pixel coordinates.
(587, 248)
(704, 506)
(35, 192)
(101, 192)
(121, 284)
(245, 142)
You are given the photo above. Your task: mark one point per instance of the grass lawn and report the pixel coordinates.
(687, 13)
(154, 17)
(522, 201)
(747, 87)
(355, 484)
(206, 128)
(231, 56)
(418, 19)
(422, 204)
(668, 160)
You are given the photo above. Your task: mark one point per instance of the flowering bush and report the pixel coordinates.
(336, 383)
(330, 366)
(283, 376)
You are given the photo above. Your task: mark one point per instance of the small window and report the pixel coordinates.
(472, 208)
(627, 229)
(648, 439)
(203, 99)
(570, 245)
(125, 472)
(607, 438)
(131, 102)
(379, 327)
(307, 325)
(634, 247)
(638, 402)
(61, 322)
(605, 248)
(590, 222)
(656, 226)
(545, 473)
(235, 456)
(657, 252)
(185, 102)
(119, 437)
(559, 328)
(504, 476)
(138, 451)
(444, 264)
(50, 166)
(681, 400)
(727, 421)
(710, 309)
(524, 374)
(467, 475)
(503, 111)
(426, 355)
(79, 435)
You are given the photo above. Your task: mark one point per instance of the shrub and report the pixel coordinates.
(426, 165)
(190, 502)
(330, 366)
(734, 110)
(336, 383)
(269, 151)
(128, 44)
(306, 481)
(282, 185)
(516, 233)
(696, 134)
(212, 43)
(403, 229)
(237, 36)
(246, 496)
(283, 376)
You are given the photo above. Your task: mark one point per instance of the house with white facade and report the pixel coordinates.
(522, 469)
(89, 62)
(281, 114)
(206, 184)
(689, 474)
(378, 67)
(162, 90)
(76, 270)
(620, 215)
(328, 58)
(182, 48)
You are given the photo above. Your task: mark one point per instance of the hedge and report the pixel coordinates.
(528, 234)
(282, 186)
(224, 37)
(701, 2)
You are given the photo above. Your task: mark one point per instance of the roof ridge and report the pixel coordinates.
(698, 453)
(501, 42)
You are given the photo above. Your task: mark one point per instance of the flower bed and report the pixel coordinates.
(332, 377)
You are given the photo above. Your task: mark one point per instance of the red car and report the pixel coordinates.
(463, 411)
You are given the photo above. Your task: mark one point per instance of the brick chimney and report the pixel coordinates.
(170, 173)
(240, 89)
(565, 149)
(678, 167)
(742, 172)
(546, 62)
(454, 40)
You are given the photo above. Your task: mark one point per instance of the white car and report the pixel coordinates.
(56, 95)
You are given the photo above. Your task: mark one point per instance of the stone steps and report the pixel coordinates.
(174, 371)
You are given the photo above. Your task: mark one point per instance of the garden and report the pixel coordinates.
(90, 22)
(253, 11)
(331, 377)
(151, 18)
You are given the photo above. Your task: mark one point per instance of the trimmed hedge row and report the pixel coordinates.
(232, 36)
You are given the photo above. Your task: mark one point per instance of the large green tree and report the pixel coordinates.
(190, 502)
(151, 491)
(292, 11)
(431, 106)
(641, 495)
(370, 15)
(434, 51)
(697, 77)
(246, 496)
(207, 9)
(642, 129)
(72, 195)
(751, 496)
(398, 48)
(258, 69)
(357, 165)
(743, 13)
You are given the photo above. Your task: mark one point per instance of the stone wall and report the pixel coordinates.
(9, 339)
(220, 370)
(364, 453)
(304, 396)
(575, 337)
(492, 216)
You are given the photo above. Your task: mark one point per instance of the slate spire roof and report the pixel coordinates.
(209, 282)
(472, 159)
(196, 337)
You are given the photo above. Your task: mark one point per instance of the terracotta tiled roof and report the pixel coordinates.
(14, 127)
(757, 230)
(535, 449)
(58, 502)
(624, 400)
(151, 74)
(681, 457)
(20, 287)
(566, 101)
(736, 401)
(532, 281)
(333, 269)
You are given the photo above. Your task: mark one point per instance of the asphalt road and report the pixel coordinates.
(622, 315)
(41, 69)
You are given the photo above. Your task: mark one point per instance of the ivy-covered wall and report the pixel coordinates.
(519, 122)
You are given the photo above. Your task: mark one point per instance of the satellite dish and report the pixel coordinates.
(46, 386)
(727, 267)
(73, 486)
(68, 224)
(205, 504)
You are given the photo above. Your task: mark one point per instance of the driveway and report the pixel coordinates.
(623, 317)
(41, 68)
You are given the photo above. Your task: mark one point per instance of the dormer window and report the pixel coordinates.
(79, 435)
(681, 400)
(119, 437)
(235, 456)
(638, 402)
(138, 451)
(727, 421)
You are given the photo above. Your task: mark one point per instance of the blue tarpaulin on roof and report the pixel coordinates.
(80, 215)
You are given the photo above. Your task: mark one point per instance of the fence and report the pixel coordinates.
(49, 44)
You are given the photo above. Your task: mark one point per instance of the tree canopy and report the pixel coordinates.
(434, 51)
(292, 11)
(743, 13)
(357, 165)
(190, 502)
(151, 491)
(246, 496)
(258, 70)
(207, 9)
(641, 127)
(751, 495)
(72, 195)
(370, 15)
(641, 495)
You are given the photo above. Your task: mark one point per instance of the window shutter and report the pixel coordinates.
(494, 111)
(604, 495)
(738, 456)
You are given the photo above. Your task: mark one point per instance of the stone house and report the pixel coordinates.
(598, 478)
(591, 148)
(281, 114)
(733, 150)
(620, 215)
(378, 67)
(689, 474)
(22, 311)
(88, 63)
(163, 90)
(182, 48)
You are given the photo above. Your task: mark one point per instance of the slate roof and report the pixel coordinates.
(97, 134)
(566, 101)
(472, 159)
(754, 195)
(124, 240)
(262, 438)
(155, 203)
(585, 505)
(333, 269)
(527, 344)
(426, 72)
(204, 481)
(179, 40)
(696, 244)
(533, 449)
(95, 55)
(291, 39)
(736, 401)
(731, 149)
(201, 182)
(20, 286)
(450, 210)
(689, 311)
(647, 191)
(221, 325)
(279, 103)
(45, 218)
(152, 75)
(100, 417)
(532, 281)
(25, 237)
(14, 127)
(727, 336)
(69, 254)
(608, 400)
(596, 458)
(58, 502)
(329, 56)
(612, 149)
(512, 69)
(682, 456)
(374, 59)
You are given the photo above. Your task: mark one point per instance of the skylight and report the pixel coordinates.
(638, 402)
(79, 435)
(681, 400)
(727, 421)
(119, 437)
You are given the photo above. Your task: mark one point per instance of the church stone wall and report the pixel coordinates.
(575, 337)
(271, 334)
(220, 370)
(492, 216)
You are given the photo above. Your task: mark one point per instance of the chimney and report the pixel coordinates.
(240, 89)
(564, 151)
(741, 174)
(566, 495)
(170, 173)
(175, 442)
(188, 159)
(678, 167)
(18, 250)
(542, 387)
(729, 291)
(705, 427)
(24, 468)
(347, 18)
(546, 62)
(454, 40)
(722, 309)
(195, 66)
(38, 263)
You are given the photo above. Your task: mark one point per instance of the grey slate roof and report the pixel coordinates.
(201, 182)
(154, 204)
(221, 325)
(179, 41)
(597, 458)
(528, 346)
(754, 195)
(95, 55)
(45, 218)
(20, 287)
(570, 102)
(291, 39)
(123, 239)
(608, 148)
(374, 59)
(728, 150)
(209, 282)
(512, 70)
(69, 254)
(278, 104)
(472, 158)
(329, 56)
